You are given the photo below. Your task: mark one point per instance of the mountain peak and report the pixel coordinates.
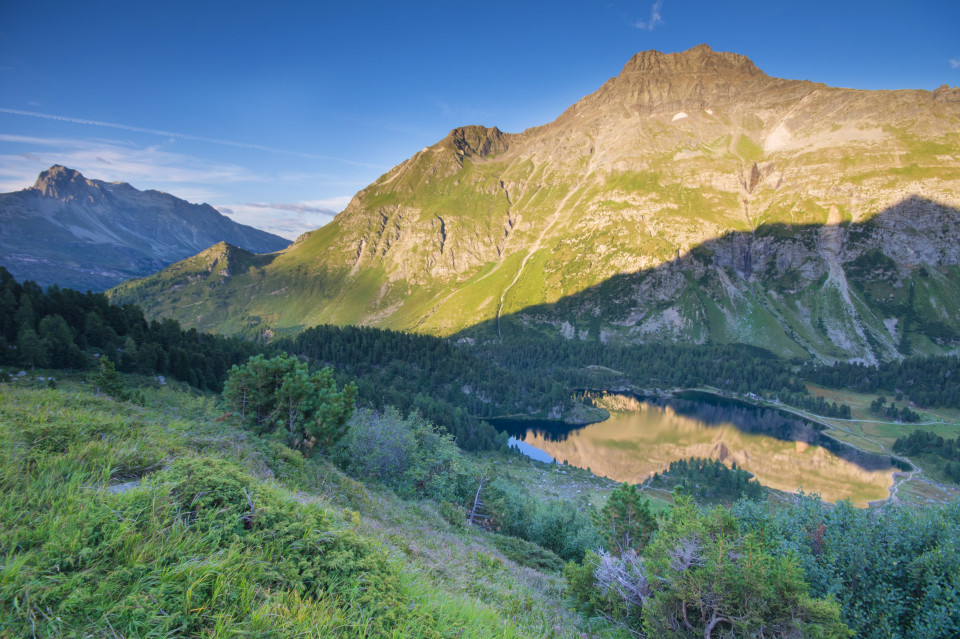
(477, 140)
(698, 78)
(691, 198)
(93, 234)
(944, 93)
(700, 60)
(58, 181)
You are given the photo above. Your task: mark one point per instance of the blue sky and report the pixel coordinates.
(277, 113)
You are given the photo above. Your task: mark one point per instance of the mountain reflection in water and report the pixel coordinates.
(643, 437)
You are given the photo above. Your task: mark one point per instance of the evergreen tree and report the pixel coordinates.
(106, 380)
(61, 350)
(625, 521)
(280, 393)
(30, 349)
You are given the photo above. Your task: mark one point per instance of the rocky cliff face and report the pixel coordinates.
(692, 197)
(89, 234)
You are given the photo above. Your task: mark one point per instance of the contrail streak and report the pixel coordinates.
(183, 136)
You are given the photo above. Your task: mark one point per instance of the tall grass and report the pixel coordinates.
(123, 521)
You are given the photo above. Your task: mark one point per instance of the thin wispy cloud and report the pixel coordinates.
(188, 177)
(61, 142)
(330, 206)
(445, 109)
(955, 63)
(460, 112)
(287, 219)
(656, 17)
(144, 167)
(110, 162)
(184, 136)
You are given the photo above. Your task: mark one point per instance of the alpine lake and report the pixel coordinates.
(644, 434)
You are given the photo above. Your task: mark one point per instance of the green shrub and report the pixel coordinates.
(730, 579)
(583, 591)
(528, 554)
(410, 455)
(280, 395)
(454, 514)
(557, 525)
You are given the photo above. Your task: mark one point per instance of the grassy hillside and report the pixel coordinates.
(163, 521)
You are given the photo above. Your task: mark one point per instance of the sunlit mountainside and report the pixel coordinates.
(691, 198)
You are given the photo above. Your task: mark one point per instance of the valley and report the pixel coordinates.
(682, 362)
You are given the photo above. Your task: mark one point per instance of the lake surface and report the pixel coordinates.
(643, 436)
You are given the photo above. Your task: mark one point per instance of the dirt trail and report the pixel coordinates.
(899, 478)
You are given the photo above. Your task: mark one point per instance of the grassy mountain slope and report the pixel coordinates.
(164, 521)
(781, 179)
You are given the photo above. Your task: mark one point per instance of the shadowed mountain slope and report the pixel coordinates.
(677, 152)
(867, 292)
(89, 234)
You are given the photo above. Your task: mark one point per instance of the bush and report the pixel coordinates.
(409, 455)
(556, 525)
(283, 545)
(701, 575)
(528, 554)
(589, 598)
(106, 381)
(709, 577)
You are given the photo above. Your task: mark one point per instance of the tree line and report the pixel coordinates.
(736, 367)
(880, 408)
(709, 479)
(65, 329)
(944, 450)
(926, 381)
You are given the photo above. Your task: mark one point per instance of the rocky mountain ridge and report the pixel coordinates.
(691, 198)
(89, 234)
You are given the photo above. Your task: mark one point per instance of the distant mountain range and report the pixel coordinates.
(88, 234)
(692, 198)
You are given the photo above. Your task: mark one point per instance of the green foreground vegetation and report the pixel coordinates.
(168, 519)
(162, 521)
(349, 490)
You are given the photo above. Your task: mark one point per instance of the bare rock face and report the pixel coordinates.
(690, 81)
(691, 198)
(66, 184)
(944, 93)
(480, 141)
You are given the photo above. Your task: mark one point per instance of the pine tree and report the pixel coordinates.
(106, 380)
(280, 393)
(29, 347)
(625, 521)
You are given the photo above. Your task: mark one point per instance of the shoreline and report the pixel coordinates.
(899, 474)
